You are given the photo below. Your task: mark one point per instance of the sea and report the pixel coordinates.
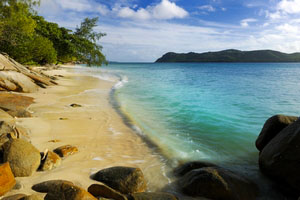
(203, 111)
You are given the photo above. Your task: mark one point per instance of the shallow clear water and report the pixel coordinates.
(205, 111)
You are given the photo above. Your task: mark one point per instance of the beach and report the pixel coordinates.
(96, 129)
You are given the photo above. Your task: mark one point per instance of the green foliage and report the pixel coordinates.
(29, 38)
(86, 43)
(42, 50)
(61, 38)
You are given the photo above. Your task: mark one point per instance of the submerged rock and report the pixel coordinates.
(280, 158)
(7, 179)
(189, 166)
(51, 161)
(98, 190)
(271, 128)
(153, 196)
(126, 180)
(23, 157)
(65, 150)
(217, 183)
(62, 190)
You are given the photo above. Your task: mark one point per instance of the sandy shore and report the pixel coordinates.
(95, 128)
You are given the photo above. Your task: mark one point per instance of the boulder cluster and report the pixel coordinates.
(279, 146)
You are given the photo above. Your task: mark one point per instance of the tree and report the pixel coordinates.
(86, 43)
(17, 27)
(59, 36)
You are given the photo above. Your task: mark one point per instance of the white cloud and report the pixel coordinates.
(48, 6)
(168, 10)
(289, 6)
(208, 8)
(164, 10)
(245, 22)
(284, 9)
(288, 28)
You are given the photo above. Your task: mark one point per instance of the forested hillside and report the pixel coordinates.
(231, 55)
(30, 39)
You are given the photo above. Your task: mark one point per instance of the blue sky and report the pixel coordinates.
(143, 30)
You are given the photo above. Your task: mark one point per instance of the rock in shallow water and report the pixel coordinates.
(7, 179)
(189, 166)
(23, 157)
(280, 159)
(126, 180)
(271, 128)
(62, 190)
(217, 183)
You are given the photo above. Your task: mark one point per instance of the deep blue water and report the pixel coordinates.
(206, 111)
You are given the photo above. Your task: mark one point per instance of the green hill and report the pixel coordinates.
(231, 55)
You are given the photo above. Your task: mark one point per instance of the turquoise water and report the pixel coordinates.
(205, 111)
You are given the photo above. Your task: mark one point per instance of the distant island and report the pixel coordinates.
(231, 55)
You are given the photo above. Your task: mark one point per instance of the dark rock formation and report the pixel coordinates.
(75, 105)
(98, 190)
(271, 128)
(126, 180)
(62, 190)
(280, 158)
(153, 196)
(189, 166)
(23, 157)
(217, 183)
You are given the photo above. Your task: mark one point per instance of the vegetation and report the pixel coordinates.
(231, 55)
(30, 39)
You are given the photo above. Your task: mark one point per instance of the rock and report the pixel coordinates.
(280, 158)
(98, 190)
(217, 183)
(16, 81)
(18, 186)
(16, 77)
(126, 180)
(62, 190)
(189, 166)
(75, 105)
(6, 131)
(51, 161)
(15, 197)
(15, 104)
(7, 179)
(54, 141)
(66, 150)
(23, 197)
(23, 157)
(63, 118)
(32, 197)
(271, 128)
(153, 196)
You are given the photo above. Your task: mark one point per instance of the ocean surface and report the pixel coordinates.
(203, 111)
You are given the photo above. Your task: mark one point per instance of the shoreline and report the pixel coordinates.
(95, 128)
